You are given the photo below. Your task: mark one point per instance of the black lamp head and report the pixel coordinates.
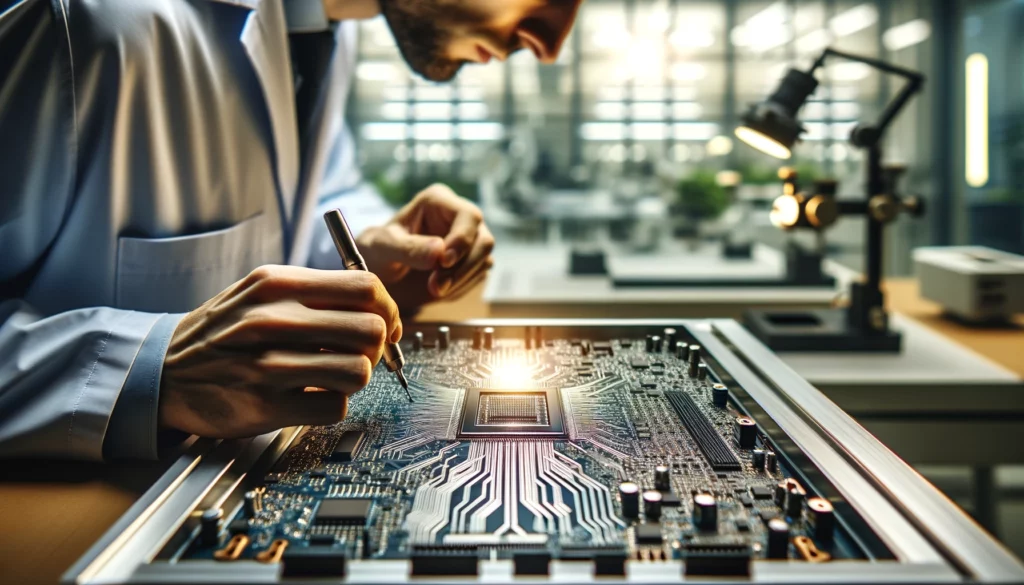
(772, 127)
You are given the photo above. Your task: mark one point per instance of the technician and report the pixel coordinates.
(161, 166)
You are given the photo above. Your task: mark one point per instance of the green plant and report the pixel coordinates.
(1004, 195)
(754, 174)
(700, 197)
(399, 190)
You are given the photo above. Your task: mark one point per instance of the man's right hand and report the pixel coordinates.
(283, 346)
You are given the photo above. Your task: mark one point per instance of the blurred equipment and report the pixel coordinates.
(971, 282)
(773, 128)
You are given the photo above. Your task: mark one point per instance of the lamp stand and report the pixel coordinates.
(864, 324)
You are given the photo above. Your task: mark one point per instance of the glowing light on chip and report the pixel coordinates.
(512, 374)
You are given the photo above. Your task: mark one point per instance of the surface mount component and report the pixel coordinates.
(555, 451)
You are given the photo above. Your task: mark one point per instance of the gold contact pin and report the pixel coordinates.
(233, 549)
(274, 552)
(808, 551)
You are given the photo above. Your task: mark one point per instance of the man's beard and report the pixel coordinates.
(416, 27)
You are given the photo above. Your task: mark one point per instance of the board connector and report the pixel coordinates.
(444, 561)
(717, 559)
(704, 434)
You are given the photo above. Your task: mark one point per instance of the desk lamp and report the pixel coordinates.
(773, 128)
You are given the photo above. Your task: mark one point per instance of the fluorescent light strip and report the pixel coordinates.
(854, 20)
(611, 131)
(432, 131)
(434, 110)
(976, 111)
(907, 34)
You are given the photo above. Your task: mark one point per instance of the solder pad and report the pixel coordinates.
(496, 413)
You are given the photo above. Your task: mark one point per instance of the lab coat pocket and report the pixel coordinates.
(177, 274)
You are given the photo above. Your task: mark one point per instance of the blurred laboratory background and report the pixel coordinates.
(629, 136)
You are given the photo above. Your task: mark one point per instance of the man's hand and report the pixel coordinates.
(281, 347)
(435, 247)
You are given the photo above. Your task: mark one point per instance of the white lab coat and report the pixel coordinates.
(149, 158)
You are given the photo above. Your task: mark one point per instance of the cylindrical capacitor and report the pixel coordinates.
(629, 492)
(694, 354)
(444, 337)
(782, 490)
(771, 463)
(682, 350)
(661, 478)
(778, 539)
(669, 335)
(488, 337)
(652, 505)
(702, 371)
(656, 340)
(209, 526)
(746, 432)
(478, 338)
(417, 341)
(649, 343)
(251, 504)
(705, 512)
(822, 519)
(757, 459)
(719, 395)
(795, 502)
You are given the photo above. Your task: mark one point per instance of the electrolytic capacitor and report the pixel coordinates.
(705, 512)
(649, 343)
(682, 350)
(444, 337)
(719, 395)
(694, 354)
(661, 478)
(251, 504)
(771, 463)
(629, 492)
(702, 371)
(417, 341)
(652, 505)
(795, 502)
(478, 338)
(669, 335)
(746, 432)
(488, 337)
(656, 341)
(778, 539)
(821, 517)
(757, 459)
(209, 526)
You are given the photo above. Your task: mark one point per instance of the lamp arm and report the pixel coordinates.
(914, 82)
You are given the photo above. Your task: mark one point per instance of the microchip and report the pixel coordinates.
(347, 446)
(742, 525)
(512, 413)
(648, 534)
(670, 500)
(342, 511)
(761, 492)
(639, 364)
(648, 383)
(766, 514)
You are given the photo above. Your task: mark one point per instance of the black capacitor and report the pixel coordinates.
(251, 504)
(629, 492)
(795, 501)
(488, 337)
(478, 338)
(694, 354)
(746, 432)
(649, 343)
(719, 395)
(209, 526)
(661, 478)
(669, 335)
(652, 505)
(771, 463)
(782, 489)
(705, 512)
(757, 459)
(417, 341)
(778, 539)
(702, 371)
(682, 350)
(822, 519)
(657, 343)
(444, 337)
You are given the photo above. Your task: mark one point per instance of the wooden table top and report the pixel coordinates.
(53, 511)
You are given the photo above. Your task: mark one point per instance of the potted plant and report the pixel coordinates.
(698, 198)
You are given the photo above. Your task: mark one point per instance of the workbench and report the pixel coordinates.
(53, 511)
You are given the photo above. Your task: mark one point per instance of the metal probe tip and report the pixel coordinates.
(404, 383)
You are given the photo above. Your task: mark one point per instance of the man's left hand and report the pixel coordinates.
(436, 247)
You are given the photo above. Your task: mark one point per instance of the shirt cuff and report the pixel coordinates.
(305, 16)
(132, 429)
